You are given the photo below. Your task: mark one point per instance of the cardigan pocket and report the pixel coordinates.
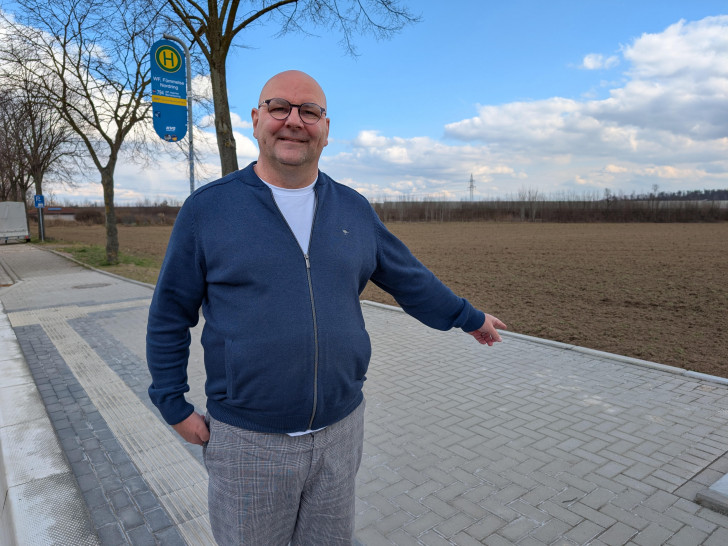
(263, 376)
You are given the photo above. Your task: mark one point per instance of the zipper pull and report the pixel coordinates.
(308, 262)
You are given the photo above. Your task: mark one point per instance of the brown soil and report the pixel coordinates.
(652, 291)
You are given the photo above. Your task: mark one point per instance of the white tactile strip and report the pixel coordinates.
(177, 479)
(39, 505)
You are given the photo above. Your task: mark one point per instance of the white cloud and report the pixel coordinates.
(247, 149)
(597, 61)
(669, 119)
(390, 167)
(685, 51)
(369, 139)
(237, 121)
(240, 123)
(615, 169)
(670, 172)
(202, 87)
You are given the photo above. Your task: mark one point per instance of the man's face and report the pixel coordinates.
(290, 142)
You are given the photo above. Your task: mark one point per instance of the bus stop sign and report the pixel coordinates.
(169, 90)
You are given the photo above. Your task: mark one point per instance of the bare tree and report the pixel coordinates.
(15, 168)
(529, 198)
(89, 59)
(213, 26)
(44, 142)
(48, 144)
(14, 172)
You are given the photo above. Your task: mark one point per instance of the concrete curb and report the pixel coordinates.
(716, 501)
(42, 503)
(7, 275)
(716, 496)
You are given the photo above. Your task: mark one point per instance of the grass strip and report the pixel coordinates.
(95, 256)
(138, 268)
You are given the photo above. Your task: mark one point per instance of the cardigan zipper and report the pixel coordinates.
(315, 337)
(307, 259)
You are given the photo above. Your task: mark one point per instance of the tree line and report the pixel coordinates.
(689, 195)
(637, 209)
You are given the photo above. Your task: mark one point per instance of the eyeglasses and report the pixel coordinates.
(309, 112)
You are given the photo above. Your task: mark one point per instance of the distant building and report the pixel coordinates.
(55, 213)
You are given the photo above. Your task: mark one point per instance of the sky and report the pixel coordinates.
(565, 98)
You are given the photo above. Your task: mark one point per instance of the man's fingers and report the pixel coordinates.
(485, 337)
(204, 433)
(493, 335)
(193, 429)
(495, 322)
(487, 333)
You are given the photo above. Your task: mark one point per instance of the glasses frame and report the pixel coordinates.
(290, 109)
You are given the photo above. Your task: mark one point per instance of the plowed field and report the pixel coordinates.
(657, 292)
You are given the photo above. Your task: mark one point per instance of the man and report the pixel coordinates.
(277, 255)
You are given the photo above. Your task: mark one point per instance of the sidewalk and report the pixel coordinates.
(529, 442)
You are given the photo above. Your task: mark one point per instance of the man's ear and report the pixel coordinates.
(254, 116)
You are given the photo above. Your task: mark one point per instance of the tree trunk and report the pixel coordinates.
(112, 232)
(223, 122)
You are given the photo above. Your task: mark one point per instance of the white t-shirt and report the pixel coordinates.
(298, 207)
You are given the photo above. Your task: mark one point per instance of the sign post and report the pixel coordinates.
(39, 204)
(171, 78)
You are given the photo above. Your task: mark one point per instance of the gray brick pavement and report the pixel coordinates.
(122, 508)
(561, 445)
(523, 443)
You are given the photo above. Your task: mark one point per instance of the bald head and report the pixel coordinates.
(293, 82)
(290, 148)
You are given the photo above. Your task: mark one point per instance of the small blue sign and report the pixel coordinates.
(39, 201)
(169, 90)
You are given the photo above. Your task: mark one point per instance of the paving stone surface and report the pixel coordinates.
(523, 443)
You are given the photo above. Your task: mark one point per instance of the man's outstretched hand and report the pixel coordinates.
(487, 334)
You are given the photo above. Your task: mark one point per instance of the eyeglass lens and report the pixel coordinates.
(280, 109)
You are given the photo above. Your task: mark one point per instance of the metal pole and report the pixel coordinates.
(40, 225)
(189, 109)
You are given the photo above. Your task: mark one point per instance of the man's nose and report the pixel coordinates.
(294, 118)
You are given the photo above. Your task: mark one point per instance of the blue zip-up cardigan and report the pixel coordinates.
(284, 339)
